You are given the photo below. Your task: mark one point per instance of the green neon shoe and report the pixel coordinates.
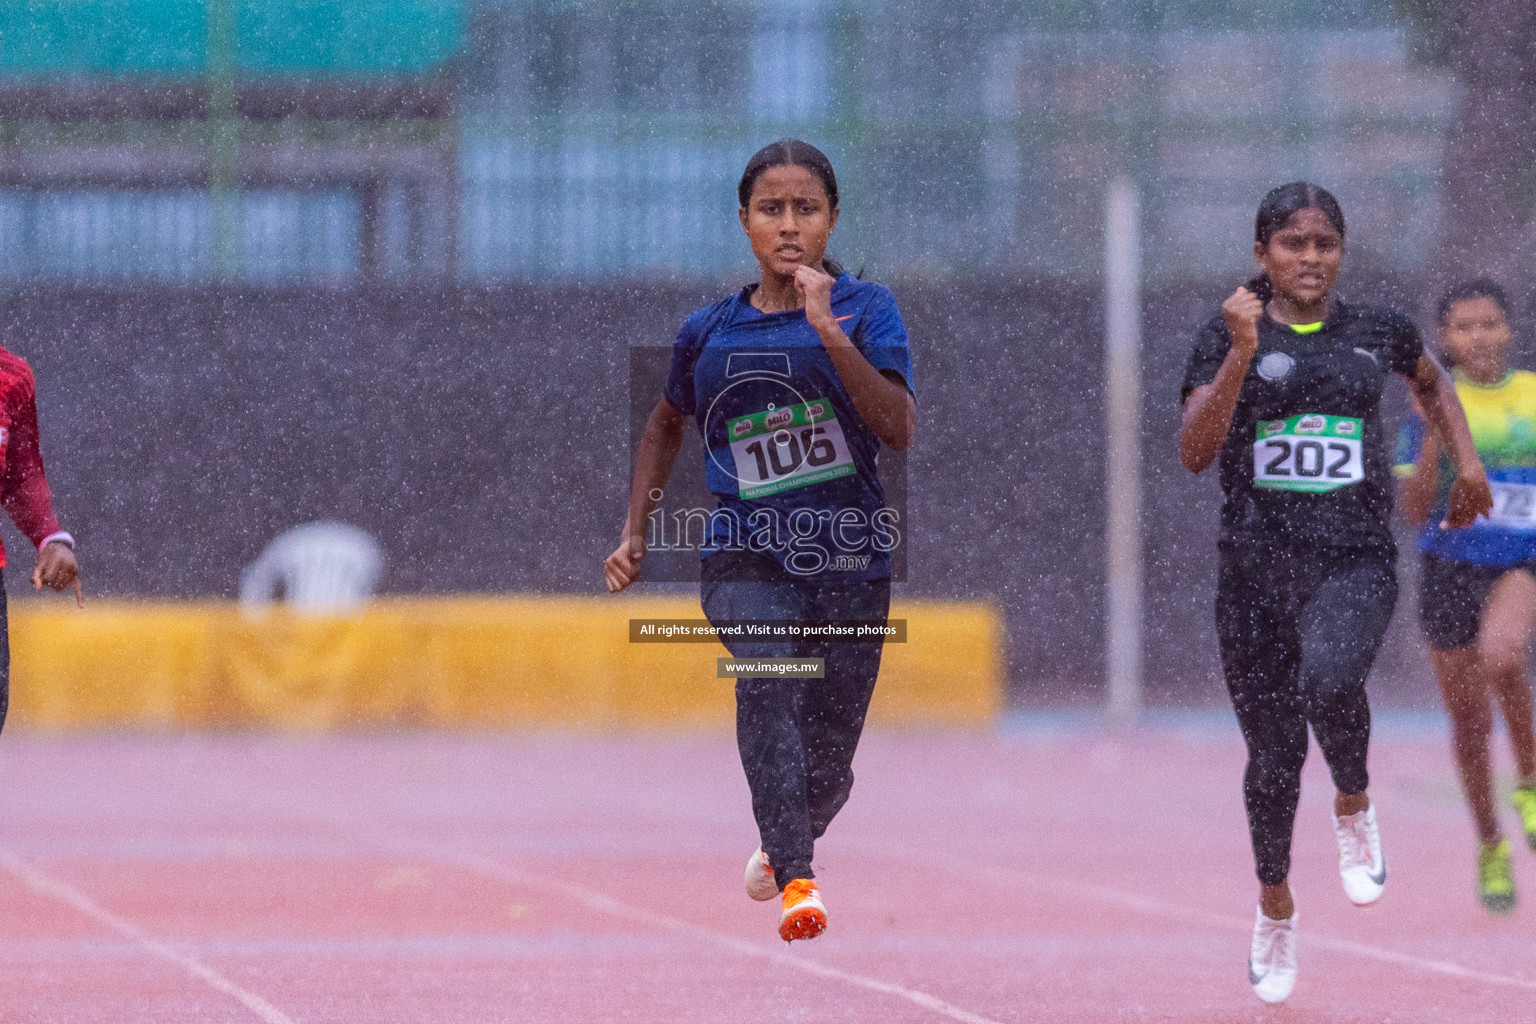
(1524, 799)
(1495, 878)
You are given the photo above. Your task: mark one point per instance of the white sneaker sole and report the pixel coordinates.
(1271, 988)
(761, 885)
(1364, 888)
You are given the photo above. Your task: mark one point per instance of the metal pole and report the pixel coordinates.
(1122, 436)
(223, 140)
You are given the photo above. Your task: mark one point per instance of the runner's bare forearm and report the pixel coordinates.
(1444, 415)
(1419, 490)
(1208, 412)
(659, 445)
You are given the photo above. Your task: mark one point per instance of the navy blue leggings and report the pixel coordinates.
(1299, 630)
(796, 736)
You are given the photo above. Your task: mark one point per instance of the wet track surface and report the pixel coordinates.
(1054, 874)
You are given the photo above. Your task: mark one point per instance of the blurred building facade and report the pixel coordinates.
(183, 141)
(378, 262)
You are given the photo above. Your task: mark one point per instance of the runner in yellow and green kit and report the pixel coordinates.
(1477, 589)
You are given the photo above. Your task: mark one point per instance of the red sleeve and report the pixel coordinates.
(24, 491)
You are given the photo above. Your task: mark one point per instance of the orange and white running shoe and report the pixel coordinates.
(760, 882)
(804, 917)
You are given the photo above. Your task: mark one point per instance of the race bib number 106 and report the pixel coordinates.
(793, 446)
(1310, 453)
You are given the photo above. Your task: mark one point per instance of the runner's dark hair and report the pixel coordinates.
(791, 153)
(1277, 207)
(1477, 288)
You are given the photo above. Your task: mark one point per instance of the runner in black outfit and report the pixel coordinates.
(1285, 385)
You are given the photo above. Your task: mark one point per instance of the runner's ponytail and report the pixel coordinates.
(1262, 287)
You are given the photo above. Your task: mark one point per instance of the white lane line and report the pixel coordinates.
(65, 893)
(607, 905)
(1157, 908)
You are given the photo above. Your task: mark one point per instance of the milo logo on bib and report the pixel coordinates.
(1312, 453)
(794, 446)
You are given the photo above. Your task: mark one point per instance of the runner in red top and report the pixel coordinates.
(23, 485)
(24, 494)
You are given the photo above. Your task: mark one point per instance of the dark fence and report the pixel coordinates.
(482, 435)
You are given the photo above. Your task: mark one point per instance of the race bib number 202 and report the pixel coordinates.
(1311, 453)
(792, 446)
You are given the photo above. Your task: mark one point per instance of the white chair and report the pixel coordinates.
(317, 568)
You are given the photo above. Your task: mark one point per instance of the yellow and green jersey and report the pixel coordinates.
(1503, 421)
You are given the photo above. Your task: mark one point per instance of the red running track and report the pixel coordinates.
(1023, 876)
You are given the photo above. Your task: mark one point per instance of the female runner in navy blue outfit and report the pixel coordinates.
(794, 383)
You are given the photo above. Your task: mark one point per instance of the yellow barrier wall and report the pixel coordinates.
(486, 662)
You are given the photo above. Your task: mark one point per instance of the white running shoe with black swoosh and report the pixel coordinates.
(1272, 958)
(1362, 865)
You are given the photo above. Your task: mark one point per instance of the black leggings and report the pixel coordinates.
(1298, 632)
(796, 736)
